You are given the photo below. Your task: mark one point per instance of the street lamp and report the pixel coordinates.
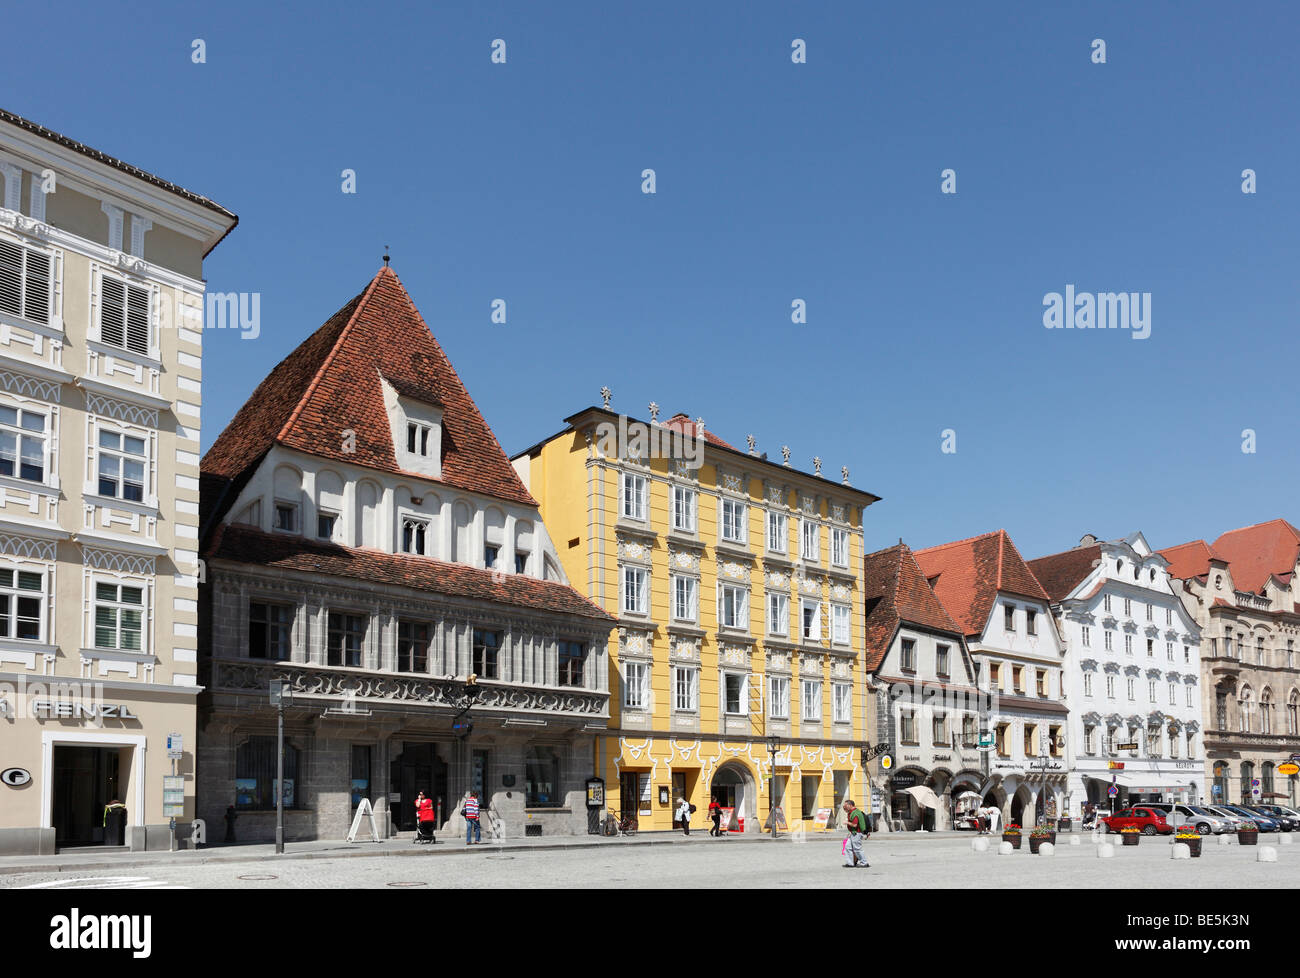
(773, 746)
(281, 694)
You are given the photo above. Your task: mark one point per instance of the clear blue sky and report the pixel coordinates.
(776, 181)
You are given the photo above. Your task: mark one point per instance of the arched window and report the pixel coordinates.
(1221, 782)
(255, 774)
(1266, 778)
(1266, 711)
(1245, 704)
(1247, 776)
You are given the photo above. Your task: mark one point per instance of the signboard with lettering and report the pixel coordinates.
(1288, 770)
(904, 779)
(1115, 765)
(822, 817)
(1126, 746)
(70, 710)
(175, 746)
(173, 796)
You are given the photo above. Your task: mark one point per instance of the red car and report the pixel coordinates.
(1149, 820)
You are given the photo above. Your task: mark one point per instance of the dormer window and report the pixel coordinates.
(325, 523)
(414, 536)
(490, 555)
(417, 439)
(286, 517)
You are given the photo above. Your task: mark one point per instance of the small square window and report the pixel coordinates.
(286, 517)
(325, 523)
(417, 439)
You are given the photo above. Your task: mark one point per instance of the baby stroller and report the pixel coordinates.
(423, 832)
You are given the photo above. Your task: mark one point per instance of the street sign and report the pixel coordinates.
(175, 746)
(1288, 770)
(886, 762)
(173, 796)
(1254, 782)
(1112, 791)
(1216, 790)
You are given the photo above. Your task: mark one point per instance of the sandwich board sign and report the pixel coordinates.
(364, 811)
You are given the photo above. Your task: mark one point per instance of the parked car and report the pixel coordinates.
(1202, 820)
(1146, 818)
(1235, 820)
(1289, 823)
(1263, 822)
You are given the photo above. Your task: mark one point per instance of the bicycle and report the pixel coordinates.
(613, 826)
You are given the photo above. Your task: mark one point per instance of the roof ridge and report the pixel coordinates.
(329, 357)
(1254, 526)
(953, 543)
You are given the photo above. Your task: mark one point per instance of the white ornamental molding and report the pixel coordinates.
(776, 495)
(686, 648)
(1111, 668)
(731, 480)
(808, 505)
(116, 560)
(633, 643)
(778, 660)
(775, 579)
(809, 586)
(735, 655)
(25, 386)
(682, 469)
(842, 592)
(121, 410)
(734, 571)
(837, 513)
(14, 545)
(684, 560)
(841, 670)
(632, 550)
(23, 224)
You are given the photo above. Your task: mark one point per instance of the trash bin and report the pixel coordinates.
(115, 824)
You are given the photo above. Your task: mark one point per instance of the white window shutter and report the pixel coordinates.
(112, 311)
(13, 177)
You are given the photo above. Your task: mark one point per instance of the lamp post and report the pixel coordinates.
(773, 746)
(280, 693)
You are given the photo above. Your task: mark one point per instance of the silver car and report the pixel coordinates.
(1202, 820)
(1236, 821)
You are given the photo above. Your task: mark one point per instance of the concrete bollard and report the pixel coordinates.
(1284, 840)
(1267, 854)
(1075, 841)
(1046, 849)
(1105, 851)
(1006, 849)
(1181, 850)
(979, 845)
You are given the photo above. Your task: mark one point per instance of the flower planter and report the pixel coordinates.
(1131, 838)
(1037, 840)
(1013, 839)
(1194, 844)
(1248, 838)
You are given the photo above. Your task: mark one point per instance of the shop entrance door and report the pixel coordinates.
(85, 780)
(417, 768)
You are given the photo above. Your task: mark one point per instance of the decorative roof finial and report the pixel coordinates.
(817, 465)
(699, 427)
(844, 471)
(606, 393)
(386, 256)
(654, 412)
(752, 442)
(785, 454)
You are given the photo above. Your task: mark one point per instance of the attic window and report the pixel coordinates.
(417, 438)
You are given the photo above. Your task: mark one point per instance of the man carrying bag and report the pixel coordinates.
(858, 832)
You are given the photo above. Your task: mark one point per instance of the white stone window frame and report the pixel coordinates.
(741, 623)
(642, 686)
(638, 499)
(778, 704)
(295, 507)
(691, 674)
(49, 407)
(643, 606)
(335, 527)
(693, 611)
(24, 650)
(423, 432)
(817, 629)
(841, 702)
(121, 569)
(405, 515)
(690, 494)
(783, 537)
(815, 714)
(740, 521)
(724, 678)
(841, 612)
(101, 420)
(95, 341)
(52, 328)
(840, 546)
(782, 619)
(810, 544)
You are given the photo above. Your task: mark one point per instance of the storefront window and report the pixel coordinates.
(542, 778)
(360, 773)
(255, 774)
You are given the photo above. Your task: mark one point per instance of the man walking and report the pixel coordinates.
(470, 810)
(858, 832)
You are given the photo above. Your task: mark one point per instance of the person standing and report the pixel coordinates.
(858, 832)
(715, 816)
(684, 815)
(470, 810)
(995, 817)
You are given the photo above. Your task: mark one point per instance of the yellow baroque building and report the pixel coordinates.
(736, 583)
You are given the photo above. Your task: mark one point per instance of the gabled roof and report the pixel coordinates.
(967, 576)
(896, 592)
(249, 545)
(1188, 560)
(1259, 552)
(331, 383)
(1059, 574)
(682, 422)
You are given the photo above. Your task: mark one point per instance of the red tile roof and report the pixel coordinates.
(1059, 574)
(896, 591)
(1259, 551)
(248, 545)
(331, 383)
(1188, 560)
(683, 423)
(967, 576)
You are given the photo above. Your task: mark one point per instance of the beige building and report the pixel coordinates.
(101, 312)
(1241, 591)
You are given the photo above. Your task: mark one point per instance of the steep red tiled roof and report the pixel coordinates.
(1188, 560)
(683, 423)
(896, 591)
(1258, 551)
(1059, 574)
(248, 545)
(968, 574)
(331, 383)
